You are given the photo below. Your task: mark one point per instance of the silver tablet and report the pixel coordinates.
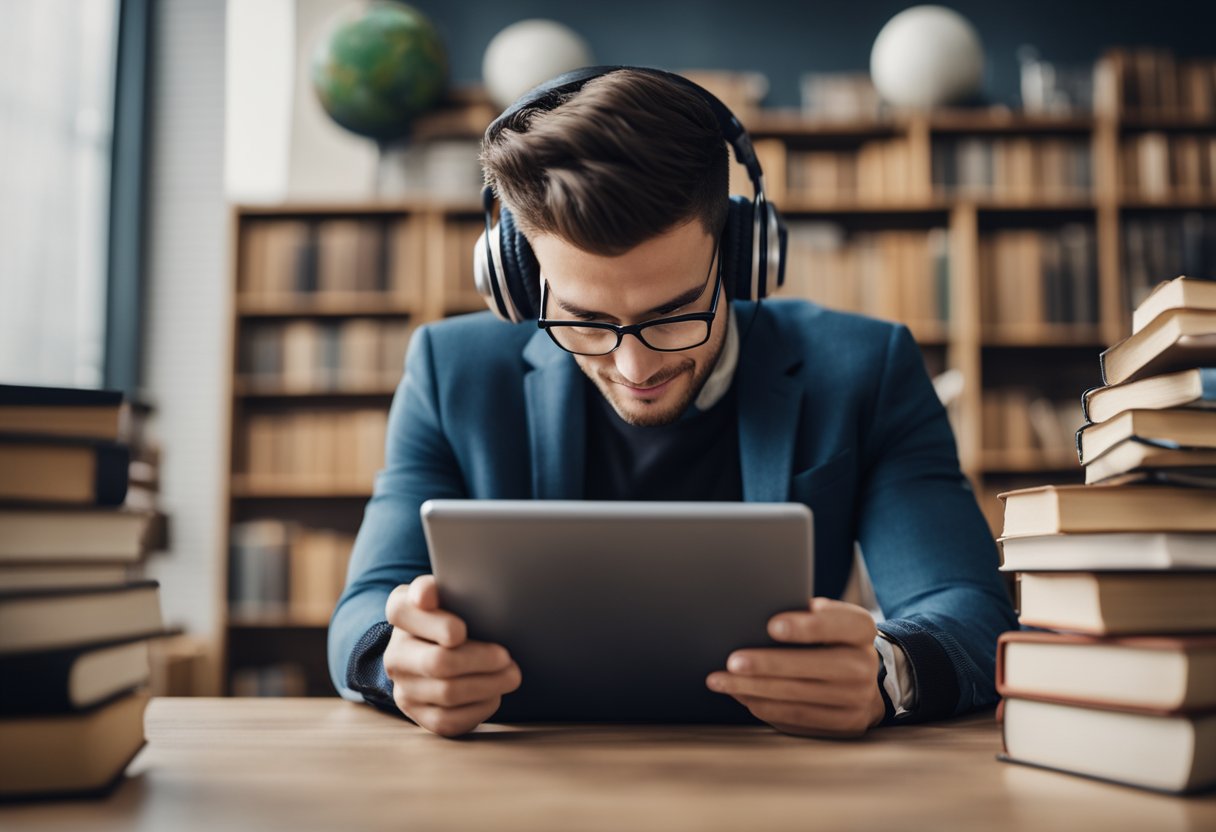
(617, 611)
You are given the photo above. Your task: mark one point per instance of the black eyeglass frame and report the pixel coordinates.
(636, 330)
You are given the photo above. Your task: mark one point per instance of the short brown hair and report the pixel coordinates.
(627, 157)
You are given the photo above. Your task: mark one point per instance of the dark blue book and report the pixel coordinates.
(60, 411)
(73, 678)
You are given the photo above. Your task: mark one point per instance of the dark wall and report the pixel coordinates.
(784, 38)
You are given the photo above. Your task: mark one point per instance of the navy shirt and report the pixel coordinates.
(694, 458)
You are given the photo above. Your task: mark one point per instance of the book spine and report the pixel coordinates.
(43, 685)
(112, 477)
(1085, 404)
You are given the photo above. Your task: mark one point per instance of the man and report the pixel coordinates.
(620, 190)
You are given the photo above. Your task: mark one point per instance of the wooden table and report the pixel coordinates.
(317, 764)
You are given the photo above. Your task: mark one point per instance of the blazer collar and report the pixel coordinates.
(557, 421)
(769, 406)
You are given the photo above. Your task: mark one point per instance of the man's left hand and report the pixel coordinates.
(827, 686)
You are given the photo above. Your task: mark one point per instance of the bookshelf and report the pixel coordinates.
(1013, 245)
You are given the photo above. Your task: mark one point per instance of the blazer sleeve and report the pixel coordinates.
(929, 551)
(390, 548)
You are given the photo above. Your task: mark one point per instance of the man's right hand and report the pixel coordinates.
(441, 680)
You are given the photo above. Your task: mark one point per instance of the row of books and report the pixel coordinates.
(1021, 420)
(1117, 577)
(304, 356)
(281, 259)
(456, 265)
(1033, 276)
(279, 568)
(316, 449)
(899, 275)
(1181, 244)
(1157, 83)
(1019, 169)
(75, 617)
(878, 171)
(1156, 165)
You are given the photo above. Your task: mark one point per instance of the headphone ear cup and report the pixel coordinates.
(521, 271)
(777, 281)
(737, 248)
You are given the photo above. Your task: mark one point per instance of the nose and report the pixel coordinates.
(635, 362)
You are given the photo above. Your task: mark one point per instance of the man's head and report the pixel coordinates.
(621, 191)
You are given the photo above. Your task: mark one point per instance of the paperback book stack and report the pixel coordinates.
(75, 619)
(1118, 575)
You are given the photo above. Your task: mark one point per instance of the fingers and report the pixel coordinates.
(827, 622)
(808, 719)
(449, 722)
(827, 694)
(414, 607)
(829, 664)
(410, 656)
(460, 691)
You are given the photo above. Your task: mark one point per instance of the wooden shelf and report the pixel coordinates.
(795, 207)
(402, 205)
(1079, 205)
(243, 389)
(1132, 122)
(1169, 203)
(793, 124)
(1003, 120)
(324, 307)
(290, 488)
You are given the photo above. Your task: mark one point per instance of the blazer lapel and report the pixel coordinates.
(769, 406)
(557, 423)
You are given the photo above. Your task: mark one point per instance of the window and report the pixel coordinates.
(58, 63)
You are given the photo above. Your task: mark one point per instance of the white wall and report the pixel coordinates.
(260, 70)
(186, 346)
(279, 142)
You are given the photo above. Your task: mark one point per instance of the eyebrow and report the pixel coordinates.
(662, 309)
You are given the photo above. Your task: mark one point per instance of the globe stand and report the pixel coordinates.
(391, 177)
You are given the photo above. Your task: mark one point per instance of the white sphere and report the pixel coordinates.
(528, 53)
(927, 56)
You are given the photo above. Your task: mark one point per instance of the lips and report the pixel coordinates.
(647, 392)
(651, 391)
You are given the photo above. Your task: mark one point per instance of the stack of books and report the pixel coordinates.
(1119, 575)
(75, 620)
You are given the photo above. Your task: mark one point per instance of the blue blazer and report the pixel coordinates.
(835, 411)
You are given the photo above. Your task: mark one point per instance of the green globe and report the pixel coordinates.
(377, 72)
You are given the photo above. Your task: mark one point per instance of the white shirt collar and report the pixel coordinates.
(720, 378)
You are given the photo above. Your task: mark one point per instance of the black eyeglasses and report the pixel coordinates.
(679, 332)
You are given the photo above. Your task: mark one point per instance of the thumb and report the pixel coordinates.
(424, 593)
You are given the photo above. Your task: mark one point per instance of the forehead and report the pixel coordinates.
(642, 278)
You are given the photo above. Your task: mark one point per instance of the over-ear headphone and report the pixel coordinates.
(753, 242)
